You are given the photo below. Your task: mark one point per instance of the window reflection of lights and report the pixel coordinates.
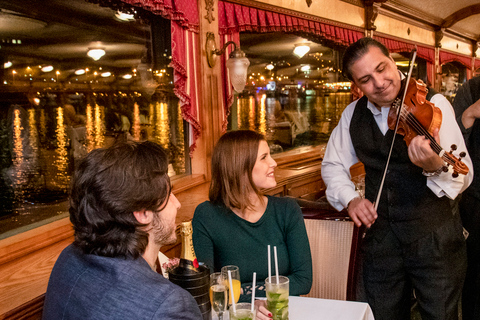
(47, 68)
(127, 76)
(301, 50)
(269, 66)
(124, 16)
(305, 68)
(79, 72)
(106, 74)
(96, 54)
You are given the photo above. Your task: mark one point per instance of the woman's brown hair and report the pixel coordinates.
(233, 159)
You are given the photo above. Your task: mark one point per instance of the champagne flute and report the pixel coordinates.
(218, 294)
(235, 272)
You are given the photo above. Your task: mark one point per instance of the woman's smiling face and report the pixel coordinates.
(263, 173)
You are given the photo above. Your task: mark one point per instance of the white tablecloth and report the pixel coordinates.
(302, 308)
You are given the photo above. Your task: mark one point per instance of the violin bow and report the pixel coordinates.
(409, 75)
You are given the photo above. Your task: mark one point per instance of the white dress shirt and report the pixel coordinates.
(340, 155)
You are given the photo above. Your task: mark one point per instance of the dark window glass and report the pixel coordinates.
(58, 102)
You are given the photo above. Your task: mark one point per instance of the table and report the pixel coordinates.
(303, 308)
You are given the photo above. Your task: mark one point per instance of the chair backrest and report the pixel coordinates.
(334, 244)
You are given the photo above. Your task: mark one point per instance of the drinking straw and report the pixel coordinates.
(276, 261)
(269, 265)
(231, 290)
(253, 290)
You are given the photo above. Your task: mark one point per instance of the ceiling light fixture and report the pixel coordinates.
(47, 68)
(124, 16)
(301, 49)
(96, 54)
(305, 68)
(269, 66)
(237, 64)
(79, 72)
(7, 64)
(106, 74)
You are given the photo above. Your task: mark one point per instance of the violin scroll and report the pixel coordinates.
(459, 167)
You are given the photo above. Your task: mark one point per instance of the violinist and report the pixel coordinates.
(414, 239)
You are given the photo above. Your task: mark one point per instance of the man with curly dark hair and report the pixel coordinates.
(123, 212)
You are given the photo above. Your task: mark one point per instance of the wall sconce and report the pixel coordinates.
(237, 64)
(96, 54)
(301, 49)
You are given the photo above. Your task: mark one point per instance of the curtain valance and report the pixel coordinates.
(234, 18)
(185, 12)
(446, 57)
(394, 45)
(477, 63)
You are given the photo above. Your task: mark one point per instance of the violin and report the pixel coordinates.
(418, 116)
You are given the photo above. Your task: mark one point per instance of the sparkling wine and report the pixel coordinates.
(188, 259)
(219, 297)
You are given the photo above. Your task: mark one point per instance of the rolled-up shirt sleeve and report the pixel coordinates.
(450, 134)
(339, 157)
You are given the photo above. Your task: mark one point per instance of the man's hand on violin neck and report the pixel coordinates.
(362, 211)
(422, 155)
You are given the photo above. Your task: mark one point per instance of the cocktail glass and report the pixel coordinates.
(235, 272)
(277, 296)
(243, 311)
(218, 294)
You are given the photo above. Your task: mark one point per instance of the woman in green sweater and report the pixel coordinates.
(239, 222)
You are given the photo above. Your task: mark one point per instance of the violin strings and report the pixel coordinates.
(411, 120)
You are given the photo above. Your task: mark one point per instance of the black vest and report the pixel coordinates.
(407, 206)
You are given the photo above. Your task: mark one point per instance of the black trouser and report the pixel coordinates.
(470, 213)
(433, 265)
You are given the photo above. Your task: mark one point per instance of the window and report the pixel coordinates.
(293, 100)
(78, 76)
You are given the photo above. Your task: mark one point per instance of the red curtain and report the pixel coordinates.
(183, 12)
(477, 63)
(393, 45)
(185, 49)
(234, 18)
(449, 57)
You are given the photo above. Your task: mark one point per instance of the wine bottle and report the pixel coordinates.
(188, 259)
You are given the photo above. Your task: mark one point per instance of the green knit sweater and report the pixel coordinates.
(220, 238)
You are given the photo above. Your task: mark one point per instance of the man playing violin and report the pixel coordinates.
(414, 238)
